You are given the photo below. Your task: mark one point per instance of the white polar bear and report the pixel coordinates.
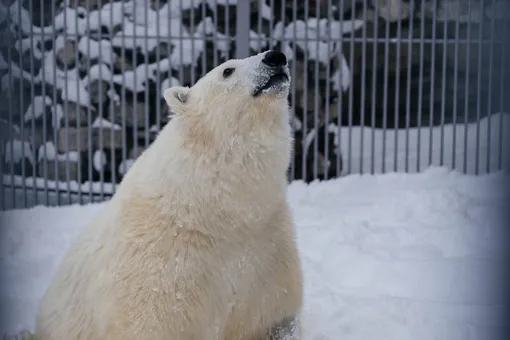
(198, 242)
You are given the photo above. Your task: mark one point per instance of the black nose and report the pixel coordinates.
(275, 59)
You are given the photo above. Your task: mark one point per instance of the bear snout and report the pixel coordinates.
(274, 58)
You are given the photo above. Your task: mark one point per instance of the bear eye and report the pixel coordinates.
(228, 72)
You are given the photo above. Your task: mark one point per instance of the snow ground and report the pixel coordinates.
(394, 256)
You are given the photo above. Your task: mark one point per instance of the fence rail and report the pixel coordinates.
(378, 85)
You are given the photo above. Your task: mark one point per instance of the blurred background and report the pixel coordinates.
(378, 85)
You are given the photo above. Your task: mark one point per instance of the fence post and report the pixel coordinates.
(243, 29)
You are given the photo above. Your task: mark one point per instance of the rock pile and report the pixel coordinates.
(82, 80)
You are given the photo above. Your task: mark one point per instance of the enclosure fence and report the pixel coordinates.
(377, 85)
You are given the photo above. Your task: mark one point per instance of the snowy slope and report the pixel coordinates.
(385, 257)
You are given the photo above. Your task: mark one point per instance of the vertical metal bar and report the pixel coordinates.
(363, 91)
(397, 90)
(101, 115)
(44, 121)
(169, 41)
(283, 42)
(32, 121)
(351, 94)
(56, 124)
(327, 100)
(259, 24)
(408, 85)
(22, 129)
(158, 60)
(375, 53)
(432, 84)
(385, 91)
(227, 31)
(420, 89)
(479, 96)
(134, 126)
(293, 85)
(282, 18)
(339, 109)
(466, 93)
(455, 89)
(305, 96)
(146, 60)
(504, 46)
(443, 92)
(66, 117)
(192, 40)
(215, 35)
(123, 122)
(77, 115)
(316, 103)
(270, 41)
(180, 37)
(204, 41)
(112, 113)
(2, 171)
(90, 152)
(11, 125)
(489, 91)
(243, 29)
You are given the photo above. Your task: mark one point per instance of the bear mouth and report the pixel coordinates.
(273, 82)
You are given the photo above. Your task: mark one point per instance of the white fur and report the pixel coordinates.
(198, 241)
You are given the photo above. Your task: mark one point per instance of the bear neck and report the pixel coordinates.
(229, 174)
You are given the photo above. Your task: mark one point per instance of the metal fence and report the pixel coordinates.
(378, 85)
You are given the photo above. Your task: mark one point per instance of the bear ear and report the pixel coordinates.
(176, 98)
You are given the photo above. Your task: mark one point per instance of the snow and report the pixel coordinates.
(493, 135)
(114, 96)
(73, 88)
(15, 150)
(137, 80)
(101, 122)
(394, 256)
(266, 11)
(21, 18)
(160, 27)
(37, 108)
(75, 91)
(139, 27)
(110, 15)
(97, 72)
(133, 80)
(99, 160)
(57, 113)
(97, 50)
(318, 37)
(72, 185)
(73, 21)
(342, 76)
(258, 41)
(49, 152)
(28, 44)
(125, 165)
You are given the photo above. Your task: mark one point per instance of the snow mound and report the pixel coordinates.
(390, 256)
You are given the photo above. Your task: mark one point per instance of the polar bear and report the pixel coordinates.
(198, 241)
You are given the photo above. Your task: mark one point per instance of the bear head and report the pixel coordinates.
(239, 98)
